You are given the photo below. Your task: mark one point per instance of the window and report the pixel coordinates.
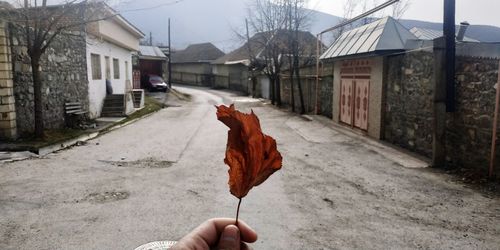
(95, 65)
(127, 77)
(108, 68)
(116, 68)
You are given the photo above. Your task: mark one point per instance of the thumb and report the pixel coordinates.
(230, 238)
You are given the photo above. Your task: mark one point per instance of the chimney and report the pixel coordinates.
(462, 30)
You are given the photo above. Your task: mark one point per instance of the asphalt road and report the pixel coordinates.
(160, 177)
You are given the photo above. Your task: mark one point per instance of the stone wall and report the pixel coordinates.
(469, 129)
(64, 74)
(308, 82)
(8, 126)
(409, 105)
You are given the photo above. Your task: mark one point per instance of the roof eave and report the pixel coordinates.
(362, 55)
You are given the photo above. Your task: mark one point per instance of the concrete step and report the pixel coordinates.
(114, 106)
(112, 109)
(112, 114)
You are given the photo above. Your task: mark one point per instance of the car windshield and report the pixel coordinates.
(155, 79)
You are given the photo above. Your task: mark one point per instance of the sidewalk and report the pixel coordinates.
(21, 150)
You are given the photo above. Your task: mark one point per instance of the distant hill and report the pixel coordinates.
(215, 21)
(483, 33)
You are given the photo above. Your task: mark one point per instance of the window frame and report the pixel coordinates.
(116, 68)
(95, 66)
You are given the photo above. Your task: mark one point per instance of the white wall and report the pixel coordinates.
(97, 88)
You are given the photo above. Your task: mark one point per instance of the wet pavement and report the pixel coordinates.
(161, 176)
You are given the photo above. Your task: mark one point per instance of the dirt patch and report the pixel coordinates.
(329, 202)
(105, 197)
(145, 163)
(10, 230)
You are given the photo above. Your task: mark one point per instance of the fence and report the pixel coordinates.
(193, 79)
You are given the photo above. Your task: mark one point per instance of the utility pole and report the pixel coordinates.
(169, 57)
(444, 86)
(249, 48)
(150, 38)
(449, 34)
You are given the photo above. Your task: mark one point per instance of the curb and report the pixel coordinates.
(86, 137)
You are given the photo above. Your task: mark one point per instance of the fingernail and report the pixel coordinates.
(230, 238)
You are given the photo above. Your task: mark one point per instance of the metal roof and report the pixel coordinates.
(479, 50)
(151, 52)
(430, 34)
(385, 34)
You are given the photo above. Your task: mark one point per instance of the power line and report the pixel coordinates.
(153, 7)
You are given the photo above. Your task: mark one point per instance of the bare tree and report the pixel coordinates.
(267, 18)
(349, 8)
(41, 24)
(276, 24)
(300, 49)
(399, 8)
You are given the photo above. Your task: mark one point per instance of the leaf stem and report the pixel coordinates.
(237, 213)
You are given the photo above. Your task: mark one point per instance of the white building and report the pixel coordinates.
(110, 43)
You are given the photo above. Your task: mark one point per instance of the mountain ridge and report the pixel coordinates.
(218, 21)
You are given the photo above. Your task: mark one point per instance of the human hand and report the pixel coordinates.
(218, 233)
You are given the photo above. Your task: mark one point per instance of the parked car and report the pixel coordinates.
(155, 83)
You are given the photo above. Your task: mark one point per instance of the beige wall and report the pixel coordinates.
(193, 68)
(376, 90)
(8, 128)
(375, 98)
(336, 91)
(111, 31)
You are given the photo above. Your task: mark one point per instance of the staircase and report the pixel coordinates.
(137, 98)
(113, 106)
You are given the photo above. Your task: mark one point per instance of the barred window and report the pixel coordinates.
(116, 68)
(95, 64)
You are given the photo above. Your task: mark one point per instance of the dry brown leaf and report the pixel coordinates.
(251, 155)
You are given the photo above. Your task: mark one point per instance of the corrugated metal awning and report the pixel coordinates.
(151, 52)
(430, 34)
(385, 34)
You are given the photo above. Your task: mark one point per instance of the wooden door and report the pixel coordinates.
(346, 91)
(361, 95)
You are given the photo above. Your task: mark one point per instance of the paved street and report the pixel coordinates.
(159, 177)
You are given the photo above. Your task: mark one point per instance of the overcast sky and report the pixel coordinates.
(474, 11)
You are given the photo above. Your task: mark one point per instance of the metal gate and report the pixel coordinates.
(136, 79)
(355, 93)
